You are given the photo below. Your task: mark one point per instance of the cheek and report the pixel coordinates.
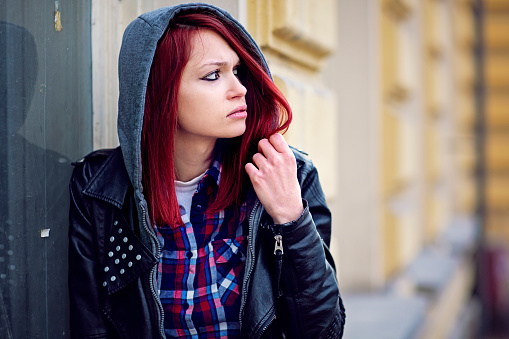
(199, 101)
(184, 104)
(192, 110)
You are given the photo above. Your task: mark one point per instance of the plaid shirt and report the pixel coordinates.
(201, 267)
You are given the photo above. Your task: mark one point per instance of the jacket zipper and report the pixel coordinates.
(278, 252)
(278, 248)
(153, 272)
(251, 254)
(271, 320)
(278, 256)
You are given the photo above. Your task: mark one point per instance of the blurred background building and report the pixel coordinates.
(403, 105)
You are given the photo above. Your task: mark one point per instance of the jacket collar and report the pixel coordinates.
(111, 181)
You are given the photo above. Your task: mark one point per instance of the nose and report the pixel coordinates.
(237, 88)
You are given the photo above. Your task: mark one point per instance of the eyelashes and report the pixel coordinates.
(211, 76)
(216, 74)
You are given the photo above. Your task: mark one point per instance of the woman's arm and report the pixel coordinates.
(311, 306)
(273, 174)
(309, 278)
(86, 316)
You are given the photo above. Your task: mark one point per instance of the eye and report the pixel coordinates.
(212, 76)
(238, 71)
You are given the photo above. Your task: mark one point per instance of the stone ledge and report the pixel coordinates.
(371, 316)
(431, 298)
(431, 271)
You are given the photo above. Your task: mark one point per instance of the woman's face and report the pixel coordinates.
(211, 99)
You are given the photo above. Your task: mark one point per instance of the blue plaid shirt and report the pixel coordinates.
(201, 267)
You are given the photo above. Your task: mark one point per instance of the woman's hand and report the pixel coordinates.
(273, 174)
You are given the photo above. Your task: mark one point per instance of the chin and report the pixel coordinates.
(234, 133)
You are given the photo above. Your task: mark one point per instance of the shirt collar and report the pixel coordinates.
(214, 172)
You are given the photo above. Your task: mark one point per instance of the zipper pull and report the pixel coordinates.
(278, 256)
(279, 243)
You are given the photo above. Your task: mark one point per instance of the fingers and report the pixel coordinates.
(273, 175)
(273, 151)
(266, 148)
(251, 170)
(279, 143)
(273, 145)
(259, 160)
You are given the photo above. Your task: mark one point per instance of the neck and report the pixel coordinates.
(192, 156)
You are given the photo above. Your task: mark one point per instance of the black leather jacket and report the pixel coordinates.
(291, 293)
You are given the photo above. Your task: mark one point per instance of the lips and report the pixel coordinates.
(238, 112)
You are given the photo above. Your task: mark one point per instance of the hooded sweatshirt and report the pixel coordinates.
(138, 48)
(292, 276)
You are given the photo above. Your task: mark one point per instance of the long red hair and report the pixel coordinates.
(269, 112)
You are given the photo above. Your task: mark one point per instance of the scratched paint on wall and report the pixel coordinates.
(58, 21)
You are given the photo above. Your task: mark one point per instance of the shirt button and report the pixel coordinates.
(198, 208)
(189, 254)
(185, 306)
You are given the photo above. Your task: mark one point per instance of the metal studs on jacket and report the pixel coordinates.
(126, 258)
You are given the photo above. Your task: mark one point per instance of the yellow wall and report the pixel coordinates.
(396, 190)
(383, 98)
(428, 148)
(382, 95)
(295, 37)
(496, 147)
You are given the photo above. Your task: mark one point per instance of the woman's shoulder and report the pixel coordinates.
(89, 165)
(101, 173)
(94, 157)
(304, 162)
(307, 173)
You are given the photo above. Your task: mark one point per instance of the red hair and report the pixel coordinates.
(269, 112)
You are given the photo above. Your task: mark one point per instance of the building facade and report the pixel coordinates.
(386, 103)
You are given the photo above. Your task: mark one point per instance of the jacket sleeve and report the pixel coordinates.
(310, 289)
(86, 316)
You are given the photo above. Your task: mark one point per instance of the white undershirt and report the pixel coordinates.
(185, 191)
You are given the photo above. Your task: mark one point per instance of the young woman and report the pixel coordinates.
(204, 223)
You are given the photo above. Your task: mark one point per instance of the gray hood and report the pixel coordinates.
(138, 47)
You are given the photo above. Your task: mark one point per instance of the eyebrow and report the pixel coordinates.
(216, 63)
(219, 64)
